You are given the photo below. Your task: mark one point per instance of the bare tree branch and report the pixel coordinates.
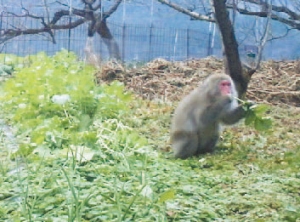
(111, 10)
(48, 26)
(293, 15)
(90, 14)
(263, 41)
(193, 15)
(288, 17)
(58, 15)
(12, 33)
(289, 22)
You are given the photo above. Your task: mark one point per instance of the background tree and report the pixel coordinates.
(216, 11)
(233, 64)
(91, 12)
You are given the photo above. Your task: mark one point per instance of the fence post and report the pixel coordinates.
(150, 42)
(1, 20)
(69, 33)
(123, 41)
(211, 37)
(2, 49)
(209, 40)
(187, 44)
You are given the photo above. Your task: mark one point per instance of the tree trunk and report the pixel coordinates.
(108, 39)
(232, 60)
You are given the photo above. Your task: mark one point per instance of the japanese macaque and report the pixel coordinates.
(196, 123)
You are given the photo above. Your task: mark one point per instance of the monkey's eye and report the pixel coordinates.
(225, 83)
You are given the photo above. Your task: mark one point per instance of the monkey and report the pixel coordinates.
(196, 123)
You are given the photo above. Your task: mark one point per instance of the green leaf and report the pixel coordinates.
(250, 117)
(81, 153)
(254, 115)
(260, 108)
(168, 195)
(85, 122)
(263, 123)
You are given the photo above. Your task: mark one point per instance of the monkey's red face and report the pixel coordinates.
(225, 87)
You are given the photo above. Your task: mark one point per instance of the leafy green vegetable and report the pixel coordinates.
(254, 115)
(55, 102)
(167, 195)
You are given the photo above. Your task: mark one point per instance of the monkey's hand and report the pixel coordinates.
(248, 105)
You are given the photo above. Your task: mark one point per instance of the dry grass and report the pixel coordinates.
(274, 83)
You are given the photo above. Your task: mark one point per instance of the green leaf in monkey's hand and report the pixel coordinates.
(260, 108)
(262, 123)
(250, 117)
(254, 115)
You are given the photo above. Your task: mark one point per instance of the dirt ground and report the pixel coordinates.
(275, 82)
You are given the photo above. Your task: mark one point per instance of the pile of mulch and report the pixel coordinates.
(274, 83)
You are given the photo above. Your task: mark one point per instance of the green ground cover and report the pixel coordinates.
(71, 150)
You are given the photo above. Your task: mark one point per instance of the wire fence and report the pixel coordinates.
(136, 42)
(141, 43)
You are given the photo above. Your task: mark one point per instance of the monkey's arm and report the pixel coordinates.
(233, 116)
(214, 112)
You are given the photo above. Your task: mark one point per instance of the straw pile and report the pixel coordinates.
(274, 83)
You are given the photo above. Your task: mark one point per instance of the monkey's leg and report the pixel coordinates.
(208, 146)
(184, 144)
